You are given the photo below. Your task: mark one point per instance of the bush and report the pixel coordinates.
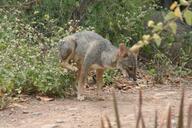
(119, 21)
(29, 61)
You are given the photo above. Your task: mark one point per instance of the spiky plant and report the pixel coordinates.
(105, 122)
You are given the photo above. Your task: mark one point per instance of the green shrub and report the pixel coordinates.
(109, 75)
(29, 61)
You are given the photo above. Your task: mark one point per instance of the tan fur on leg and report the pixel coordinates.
(99, 77)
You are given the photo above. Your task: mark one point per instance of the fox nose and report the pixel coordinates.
(133, 77)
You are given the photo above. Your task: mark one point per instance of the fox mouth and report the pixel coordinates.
(132, 78)
(126, 74)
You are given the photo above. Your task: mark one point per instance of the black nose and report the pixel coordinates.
(134, 78)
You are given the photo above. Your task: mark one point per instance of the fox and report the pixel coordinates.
(91, 51)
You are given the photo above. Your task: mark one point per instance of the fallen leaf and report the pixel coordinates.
(18, 105)
(44, 98)
(1, 93)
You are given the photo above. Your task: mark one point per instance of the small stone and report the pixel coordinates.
(73, 109)
(73, 114)
(36, 113)
(25, 112)
(13, 120)
(60, 121)
(50, 126)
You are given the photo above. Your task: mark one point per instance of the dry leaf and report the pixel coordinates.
(44, 98)
(173, 6)
(1, 93)
(18, 105)
(177, 13)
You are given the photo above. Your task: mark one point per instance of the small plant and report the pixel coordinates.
(109, 75)
(4, 101)
(105, 122)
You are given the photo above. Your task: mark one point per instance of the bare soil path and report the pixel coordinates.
(70, 113)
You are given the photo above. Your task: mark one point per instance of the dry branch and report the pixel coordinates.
(181, 117)
(116, 111)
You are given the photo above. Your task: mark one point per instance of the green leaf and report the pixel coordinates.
(173, 27)
(158, 27)
(151, 71)
(157, 39)
(169, 16)
(184, 2)
(46, 17)
(188, 17)
(158, 42)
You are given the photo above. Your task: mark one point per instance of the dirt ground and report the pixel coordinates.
(70, 113)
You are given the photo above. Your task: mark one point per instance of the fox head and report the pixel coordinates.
(127, 61)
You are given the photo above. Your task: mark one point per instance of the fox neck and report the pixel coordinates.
(110, 58)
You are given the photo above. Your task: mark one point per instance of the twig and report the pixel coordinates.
(102, 123)
(108, 122)
(162, 121)
(116, 111)
(189, 121)
(140, 111)
(169, 125)
(181, 117)
(156, 118)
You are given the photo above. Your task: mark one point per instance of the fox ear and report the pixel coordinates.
(122, 50)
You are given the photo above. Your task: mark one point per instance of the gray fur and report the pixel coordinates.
(86, 43)
(91, 51)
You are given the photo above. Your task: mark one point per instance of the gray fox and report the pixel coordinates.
(91, 51)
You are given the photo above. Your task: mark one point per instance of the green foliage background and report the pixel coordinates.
(29, 34)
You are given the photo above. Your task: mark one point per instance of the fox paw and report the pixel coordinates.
(80, 97)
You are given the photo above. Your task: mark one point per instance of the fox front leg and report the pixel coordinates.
(81, 83)
(99, 78)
